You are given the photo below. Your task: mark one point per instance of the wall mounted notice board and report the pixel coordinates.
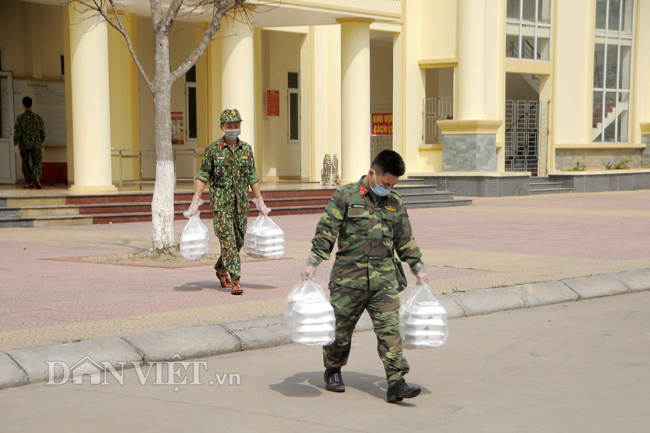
(48, 101)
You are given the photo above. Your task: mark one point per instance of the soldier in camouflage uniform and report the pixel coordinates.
(371, 224)
(229, 169)
(29, 134)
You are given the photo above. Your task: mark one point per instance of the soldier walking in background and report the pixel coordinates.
(371, 223)
(228, 167)
(29, 134)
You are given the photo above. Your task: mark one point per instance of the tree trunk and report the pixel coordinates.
(162, 205)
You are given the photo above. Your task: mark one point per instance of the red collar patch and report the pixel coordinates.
(223, 143)
(362, 190)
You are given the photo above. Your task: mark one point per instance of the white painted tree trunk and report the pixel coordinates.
(162, 205)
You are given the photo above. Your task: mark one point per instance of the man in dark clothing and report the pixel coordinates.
(29, 134)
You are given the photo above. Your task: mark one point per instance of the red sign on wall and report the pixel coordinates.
(272, 102)
(382, 123)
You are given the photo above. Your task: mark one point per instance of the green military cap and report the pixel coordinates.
(229, 115)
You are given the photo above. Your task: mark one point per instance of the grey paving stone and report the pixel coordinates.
(187, 343)
(50, 363)
(10, 373)
(550, 292)
(636, 281)
(489, 300)
(596, 286)
(260, 333)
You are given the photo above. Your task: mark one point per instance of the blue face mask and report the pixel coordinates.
(378, 189)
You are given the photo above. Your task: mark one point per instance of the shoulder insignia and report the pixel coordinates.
(390, 208)
(362, 190)
(244, 157)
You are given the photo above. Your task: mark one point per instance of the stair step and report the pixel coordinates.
(16, 222)
(535, 185)
(551, 191)
(438, 203)
(136, 207)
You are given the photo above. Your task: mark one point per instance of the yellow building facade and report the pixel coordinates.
(458, 87)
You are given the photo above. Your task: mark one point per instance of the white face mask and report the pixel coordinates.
(232, 133)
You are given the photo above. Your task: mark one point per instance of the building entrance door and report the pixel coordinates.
(526, 147)
(7, 155)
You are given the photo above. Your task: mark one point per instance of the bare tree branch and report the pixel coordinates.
(98, 7)
(120, 28)
(174, 7)
(156, 13)
(220, 9)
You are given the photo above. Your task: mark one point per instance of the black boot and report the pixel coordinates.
(334, 380)
(401, 390)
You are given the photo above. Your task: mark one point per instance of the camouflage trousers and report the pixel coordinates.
(383, 307)
(230, 228)
(32, 168)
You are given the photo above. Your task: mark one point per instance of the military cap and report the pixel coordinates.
(229, 115)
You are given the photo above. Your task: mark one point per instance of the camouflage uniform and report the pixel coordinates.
(229, 174)
(364, 275)
(29, 134)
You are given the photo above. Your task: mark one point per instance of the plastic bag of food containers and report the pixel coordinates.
(310, 315)
(264, 239)
(422, 319)
(195, 239)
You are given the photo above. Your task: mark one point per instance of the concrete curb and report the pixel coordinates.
(32, 365)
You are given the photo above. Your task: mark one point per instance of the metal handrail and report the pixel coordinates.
(123, 154)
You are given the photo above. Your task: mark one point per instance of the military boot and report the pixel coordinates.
(334, 380)
(401, 390)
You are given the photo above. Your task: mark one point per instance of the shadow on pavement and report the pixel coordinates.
(311, 384)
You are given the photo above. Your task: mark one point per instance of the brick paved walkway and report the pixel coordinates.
(496, 242)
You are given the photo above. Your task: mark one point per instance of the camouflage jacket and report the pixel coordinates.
(29, 132)
(229, 173)
(369, 233)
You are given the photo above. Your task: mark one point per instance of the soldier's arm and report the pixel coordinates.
(42, 129)
(206, 167)
(18, 131)
(404, 242)
(328, 228)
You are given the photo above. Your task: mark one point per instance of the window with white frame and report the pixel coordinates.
(293, 104)
(612, 70)
(528, 29)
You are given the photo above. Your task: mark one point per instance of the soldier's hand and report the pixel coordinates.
(308, 273)
(261, 206)
(422, 278)
(194, 207)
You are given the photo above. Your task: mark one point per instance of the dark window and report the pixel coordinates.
(190, 77)
(293, 80)
(191, 112)
(294, 116)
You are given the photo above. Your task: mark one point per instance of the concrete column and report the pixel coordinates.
(471, 38)
(469, 141)
(355, 99)
(91, 123)
(238, 73)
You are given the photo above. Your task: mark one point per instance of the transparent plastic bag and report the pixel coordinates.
(422, 319)
(309, 315)
(264, 239)
(195, 239)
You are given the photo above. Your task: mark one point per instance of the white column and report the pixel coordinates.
(238, 73)
(355, 99)
(91, 120)
(471, 40)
